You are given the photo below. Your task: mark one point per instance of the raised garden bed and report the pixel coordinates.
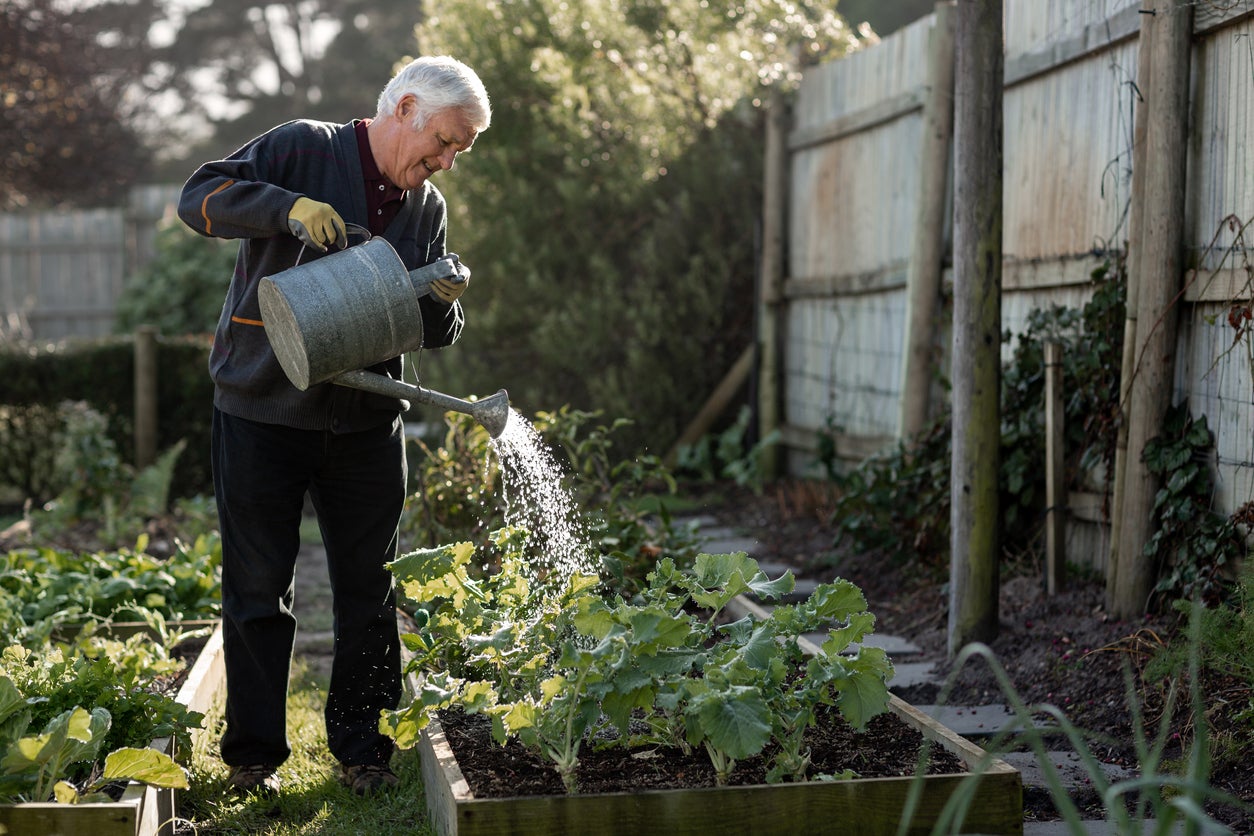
(859, 805)
(142, 810)
(862, 805)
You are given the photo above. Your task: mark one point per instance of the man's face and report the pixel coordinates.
(420, 153)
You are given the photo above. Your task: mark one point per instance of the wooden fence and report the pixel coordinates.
(856, 179)
(61, 272)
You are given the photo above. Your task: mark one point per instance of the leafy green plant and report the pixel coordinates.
(33, 764)
(899, 501)
(557, 673)
(48, 587)
(180, 291)
(30, 435)
(89, 698)
(726, 454)
(458, 492)
(1192, 546)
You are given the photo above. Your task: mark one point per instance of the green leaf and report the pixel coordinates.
(772, 589)
(736, 721)
(836, 600)
(65, 792)
(11, 700)
(148, 766)
(657, 627)
(864, 693)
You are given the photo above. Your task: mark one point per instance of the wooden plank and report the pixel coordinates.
(1042, 273)
(858, 121)
(890, 277)
(1228, 284)
(868, 807)
(927, 252)
(1211, 15)
(38, 819)
(1096, 37)
(848, 447)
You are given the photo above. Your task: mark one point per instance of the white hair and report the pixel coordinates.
(438, 83)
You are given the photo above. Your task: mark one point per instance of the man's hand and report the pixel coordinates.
(449, 291)
(316, 224)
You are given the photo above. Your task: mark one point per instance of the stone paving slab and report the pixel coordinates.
(1069, 769)
(910, 674)
(1091, 828)
(894, 646)
(975, 721)
(730, 543)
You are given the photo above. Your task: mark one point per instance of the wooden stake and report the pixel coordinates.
(1055, 473)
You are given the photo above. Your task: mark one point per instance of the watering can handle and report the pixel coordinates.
(351, 229)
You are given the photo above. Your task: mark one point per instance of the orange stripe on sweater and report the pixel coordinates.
(204, 206)
(243, 321)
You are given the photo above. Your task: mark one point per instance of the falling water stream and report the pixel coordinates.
(536, 499)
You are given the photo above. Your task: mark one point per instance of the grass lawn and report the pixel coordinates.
(312, 800)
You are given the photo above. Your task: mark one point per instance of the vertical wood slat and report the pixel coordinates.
(1055, 472)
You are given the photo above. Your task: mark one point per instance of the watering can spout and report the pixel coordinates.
(492, 412)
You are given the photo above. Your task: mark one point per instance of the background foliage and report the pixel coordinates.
(610, 213)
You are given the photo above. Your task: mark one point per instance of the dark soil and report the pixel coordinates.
(886, 748)
(1063, 650)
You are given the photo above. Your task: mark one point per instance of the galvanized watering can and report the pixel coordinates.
(330, 318)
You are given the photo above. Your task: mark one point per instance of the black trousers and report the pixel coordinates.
(261, 473)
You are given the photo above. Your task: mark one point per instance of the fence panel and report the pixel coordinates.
(1069, 104)
(61, 272)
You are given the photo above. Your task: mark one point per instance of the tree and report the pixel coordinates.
(244, 66)
(610, 213)
(68, 135)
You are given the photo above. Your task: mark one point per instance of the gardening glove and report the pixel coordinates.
(450, 290)
(316, 224)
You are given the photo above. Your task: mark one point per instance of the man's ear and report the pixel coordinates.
(406, 108)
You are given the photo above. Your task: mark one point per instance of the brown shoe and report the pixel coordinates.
(368, 778)
(257, 777)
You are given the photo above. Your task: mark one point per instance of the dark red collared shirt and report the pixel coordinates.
(383, 200)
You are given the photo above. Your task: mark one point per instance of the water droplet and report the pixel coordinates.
(537, 501)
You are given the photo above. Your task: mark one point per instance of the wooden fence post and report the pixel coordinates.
(1161, 270)
(145, 395)
(975, 517)
(1136, 225)
(770, 292)
(1055, 473)
(923, 279)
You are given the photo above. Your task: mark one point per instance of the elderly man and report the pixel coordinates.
(285, 193)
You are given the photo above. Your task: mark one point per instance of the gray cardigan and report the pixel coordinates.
(248, 196)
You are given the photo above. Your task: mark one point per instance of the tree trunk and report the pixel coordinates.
(976, 517)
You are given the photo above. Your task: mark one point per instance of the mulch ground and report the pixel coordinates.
(1063, 650)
